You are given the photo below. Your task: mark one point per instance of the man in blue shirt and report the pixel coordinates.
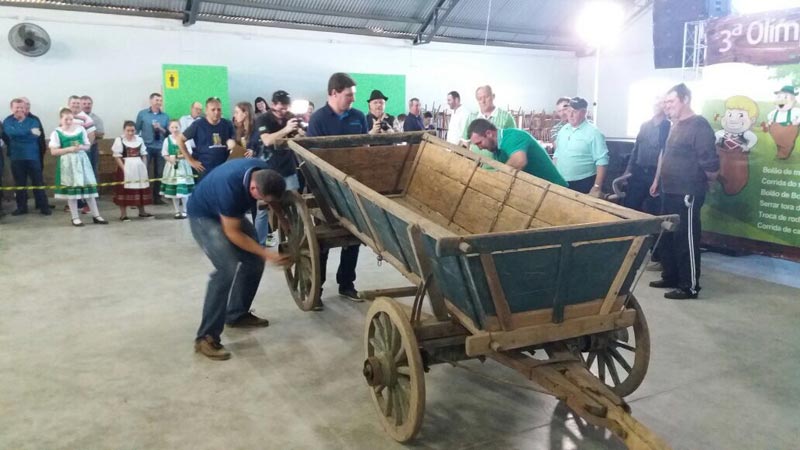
(338, 117)
(581, 154)
(22, 132)
(152, 124)
(213, 139)
(217, 211)
(413, 120)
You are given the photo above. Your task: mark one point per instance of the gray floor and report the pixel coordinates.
(96, 328)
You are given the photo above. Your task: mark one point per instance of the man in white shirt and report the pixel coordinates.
(94, 153)
(195, 113)
(458, 119)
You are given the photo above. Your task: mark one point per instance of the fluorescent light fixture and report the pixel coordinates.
(600, 22)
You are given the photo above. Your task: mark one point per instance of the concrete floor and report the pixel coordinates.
(96, 328)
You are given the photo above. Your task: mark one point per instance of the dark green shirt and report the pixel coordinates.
(513, 140)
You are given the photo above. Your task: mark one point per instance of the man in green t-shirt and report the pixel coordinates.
(514, 147)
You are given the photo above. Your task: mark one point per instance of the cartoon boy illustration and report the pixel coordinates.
(734, 142)
(783, 121)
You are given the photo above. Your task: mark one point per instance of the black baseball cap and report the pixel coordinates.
(578, 103)
(281, 97)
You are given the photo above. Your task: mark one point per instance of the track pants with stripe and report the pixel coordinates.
(680, 249)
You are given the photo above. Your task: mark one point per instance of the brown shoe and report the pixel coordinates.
(249, 320)
(211, 349)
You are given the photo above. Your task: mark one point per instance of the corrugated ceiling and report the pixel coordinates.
(546, 24)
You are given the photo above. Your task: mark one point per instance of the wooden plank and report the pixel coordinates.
(492, 184)
(403, 172)
(435, 191)
(493, 242)
(426, 270)
(501, 308)
(511, 219)
(525, 197)
(378, 167)
(476, 212)
(447, 164)
(354, 140)
(461, 197)
(321, 197)
(412, 171)
(424, 211)
(543, 316)
(502, 203)
(486, 343)
(557, 209)
(376, 237)
(622, 274)
(398, 292)
(562, 282)
(464, 320)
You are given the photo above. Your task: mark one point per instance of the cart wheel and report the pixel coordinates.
(303, 276)
(393, 369)
(620, 358)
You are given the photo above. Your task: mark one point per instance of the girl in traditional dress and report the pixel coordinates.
(178, 180)
(74, 175)
(129, 153)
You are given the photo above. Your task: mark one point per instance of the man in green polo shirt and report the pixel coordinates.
(514, 147)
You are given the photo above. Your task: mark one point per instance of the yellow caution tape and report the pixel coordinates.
(110, 183)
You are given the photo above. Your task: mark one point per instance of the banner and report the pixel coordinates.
(769, 38)
(392, 86)
(757, 196)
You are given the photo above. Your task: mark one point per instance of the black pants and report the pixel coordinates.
(22, 171)
(346, 275)
(680, 249)
(583, 186)
(637, 195)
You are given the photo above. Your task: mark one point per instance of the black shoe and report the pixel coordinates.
(19, 212)
(46, 211)
(351, 293)
(99, 220)
(249, 320)
(680, 294)
(664, 284)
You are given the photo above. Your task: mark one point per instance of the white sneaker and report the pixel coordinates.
(271, 241)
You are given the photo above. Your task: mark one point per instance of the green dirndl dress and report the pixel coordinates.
(178, 179)
(74, 174)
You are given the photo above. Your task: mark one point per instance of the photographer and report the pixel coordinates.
(378, 121)
(277, 123)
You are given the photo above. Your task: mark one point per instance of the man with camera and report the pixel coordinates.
(277, 123)
(378, 121)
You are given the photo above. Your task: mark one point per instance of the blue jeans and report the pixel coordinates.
(262, 217)
(22, 171)
(233, 284)
(154, 155)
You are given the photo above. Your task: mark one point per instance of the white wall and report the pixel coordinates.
(117, 60)
(628, 80)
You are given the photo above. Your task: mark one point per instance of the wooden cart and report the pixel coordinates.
(527, 273)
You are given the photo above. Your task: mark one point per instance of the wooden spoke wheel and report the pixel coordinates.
(303, 276)
(393, 369)
(619, 358)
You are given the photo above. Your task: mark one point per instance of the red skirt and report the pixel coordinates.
(130, 197)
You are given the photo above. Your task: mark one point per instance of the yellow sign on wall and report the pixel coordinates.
(171, 79)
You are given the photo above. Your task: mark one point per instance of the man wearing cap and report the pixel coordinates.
(277, 123)
(581, 154)
(516, 148)
(378, 121)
